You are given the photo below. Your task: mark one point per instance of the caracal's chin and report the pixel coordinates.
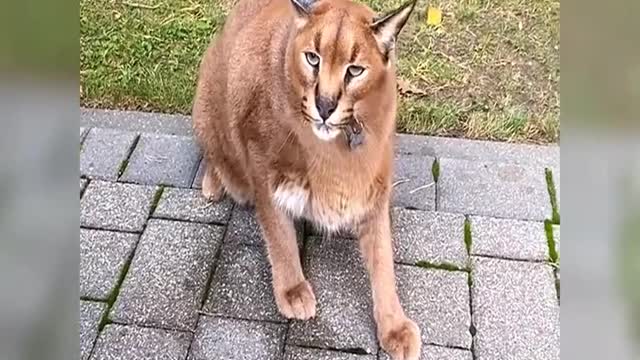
(324, 132)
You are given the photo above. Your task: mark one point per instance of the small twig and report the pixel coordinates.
(143, 6)
(401, 181)
(421, 187)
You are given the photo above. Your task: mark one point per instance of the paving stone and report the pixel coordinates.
(190, 205)
(438, 301)
(114, 206)
(137, 121)
(83, 184)
(298, 353)
(555, 174)
(197, 180)
(120, 342)
(435, 237)
(515, 310)
(103, 152)
(541, 155)
(243, 227)
(507, 238)
(431, 352)
(344, 314)
(83, 133)
(90, 316)
(412, 173)
(166, 282)
(556, 238)
(163, 159)
(102, 257)
(233, 339)
(493, 189)
(243, 275)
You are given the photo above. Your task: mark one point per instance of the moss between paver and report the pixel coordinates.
(467, 235)
(125, 162)
(435, 170)
(553, 252)
(156, 199)
(125, 269)
(441, 266)
(114, 294)
(551, 187)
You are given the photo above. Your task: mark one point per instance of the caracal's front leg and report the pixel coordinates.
(398, 335)
(294, 296)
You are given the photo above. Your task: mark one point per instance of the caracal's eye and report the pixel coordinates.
(312, 58)
(355, 70)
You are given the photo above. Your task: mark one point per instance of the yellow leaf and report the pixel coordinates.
(434, 16)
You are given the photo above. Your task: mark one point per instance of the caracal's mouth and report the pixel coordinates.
(325, 132)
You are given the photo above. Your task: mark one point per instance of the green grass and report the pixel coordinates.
(489, 71)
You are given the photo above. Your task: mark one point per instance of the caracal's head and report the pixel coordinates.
(341, 54)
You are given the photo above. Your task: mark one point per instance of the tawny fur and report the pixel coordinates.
(251, 113)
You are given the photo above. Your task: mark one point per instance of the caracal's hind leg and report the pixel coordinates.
(212, 188)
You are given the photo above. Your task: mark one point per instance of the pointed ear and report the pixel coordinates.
(387, 27)
(302, 10)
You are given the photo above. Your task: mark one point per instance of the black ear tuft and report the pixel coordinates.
(387, 27)
(303, 7)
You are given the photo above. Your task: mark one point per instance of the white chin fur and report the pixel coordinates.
(325, 134)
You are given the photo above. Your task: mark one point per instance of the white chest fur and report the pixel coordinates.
(292, 199)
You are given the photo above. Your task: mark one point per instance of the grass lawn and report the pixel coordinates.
(490, 70)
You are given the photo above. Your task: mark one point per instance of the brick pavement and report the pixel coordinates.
(166, 275)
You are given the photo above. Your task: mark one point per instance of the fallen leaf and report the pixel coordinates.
(406, 88)
(434, 16)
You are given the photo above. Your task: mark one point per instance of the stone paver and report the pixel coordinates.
(232, 339)
(493, 189)
(298, 353)
(556, 238)
(137, 121)
(83, 134)
(119, 342)
(102, 257)
(429, 236)
(114, 206)
(190, 205)
(90, 316)
(477, 150)
(83, 184)
(414, 185)
(431, 352)
(243, 275)
(515, 310)
(197, 180)
(103, 153)
(344, 313)
(166, 282)
(244, 228)
(438, 301)
(506, 238)
(555, 172)
(163, 159)
(198, 285)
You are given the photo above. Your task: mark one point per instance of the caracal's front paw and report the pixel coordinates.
(297, 302)
(402, 340)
